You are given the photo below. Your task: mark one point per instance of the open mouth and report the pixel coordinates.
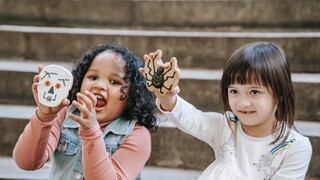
(101, 102)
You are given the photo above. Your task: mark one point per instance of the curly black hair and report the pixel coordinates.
(141, 103)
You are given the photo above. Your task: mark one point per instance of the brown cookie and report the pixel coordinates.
(159, 78)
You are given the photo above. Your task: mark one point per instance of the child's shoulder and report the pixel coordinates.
(296, 136)
(140, 138)
(298, 141)
(140, 131)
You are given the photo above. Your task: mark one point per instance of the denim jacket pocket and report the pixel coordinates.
(67, 146)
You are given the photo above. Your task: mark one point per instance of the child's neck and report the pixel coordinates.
(104, 124)
(257, 131)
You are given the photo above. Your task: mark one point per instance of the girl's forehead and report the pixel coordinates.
(250, 86)
(246, 78)
(111, 58)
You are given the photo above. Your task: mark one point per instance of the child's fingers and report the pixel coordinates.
(141, 71)
(146, 57)
(77, 119)
(84, 123)
(40, 67)
(35, 84)
(92, 98)
(36, 78)
(85, 100)
(35, 92)
(64, 102)
(82, 108)
(175, 90)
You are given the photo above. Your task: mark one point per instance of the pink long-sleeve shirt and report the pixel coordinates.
(40, 139)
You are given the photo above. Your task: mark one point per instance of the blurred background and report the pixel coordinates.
(202, 34)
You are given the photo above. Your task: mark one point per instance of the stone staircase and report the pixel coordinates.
(229, 15)
(201, 34)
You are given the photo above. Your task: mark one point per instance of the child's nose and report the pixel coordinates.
(244, 102)
(101, 85)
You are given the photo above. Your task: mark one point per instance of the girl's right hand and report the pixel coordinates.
(45, 113)
(167, 100)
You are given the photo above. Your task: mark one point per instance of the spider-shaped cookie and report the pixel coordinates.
(158, 77)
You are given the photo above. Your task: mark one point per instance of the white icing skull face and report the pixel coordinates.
(54, 85)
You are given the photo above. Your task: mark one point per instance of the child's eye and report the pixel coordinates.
(233, 91)
(115, 82)
(92, 77)
(255, 92)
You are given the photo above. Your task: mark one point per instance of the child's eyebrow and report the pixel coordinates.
(118, 75)
(94, 70)
(256, 86)
(249, 86)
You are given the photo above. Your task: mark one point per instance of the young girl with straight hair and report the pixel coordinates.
(255, 138)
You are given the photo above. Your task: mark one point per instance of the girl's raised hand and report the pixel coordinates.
(167, 99)
(86, 103)
(45, 113)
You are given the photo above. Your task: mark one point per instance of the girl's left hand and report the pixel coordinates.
(86, 103)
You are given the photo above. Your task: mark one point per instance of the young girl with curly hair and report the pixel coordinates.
(103, 133)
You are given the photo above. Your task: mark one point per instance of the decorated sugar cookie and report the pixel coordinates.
(159, 78)
(54, 85)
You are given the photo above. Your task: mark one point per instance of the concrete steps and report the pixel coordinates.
(204, 50)
(201, 34)
(231, 14)
(9, 170)
(16, 87)
(168, 145)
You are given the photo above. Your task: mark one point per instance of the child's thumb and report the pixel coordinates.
(64, 103)
(141, 71)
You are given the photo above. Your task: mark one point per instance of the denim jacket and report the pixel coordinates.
(67, 159)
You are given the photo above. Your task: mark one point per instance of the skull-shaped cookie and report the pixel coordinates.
(54, 85)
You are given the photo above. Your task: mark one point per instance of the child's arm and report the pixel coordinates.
(126, 163)
(184, 115)
(33, 149)
(37, 142)
(209, 127)
(296, 161)
(167, 100)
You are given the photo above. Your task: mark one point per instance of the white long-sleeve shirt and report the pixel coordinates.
(238, 155)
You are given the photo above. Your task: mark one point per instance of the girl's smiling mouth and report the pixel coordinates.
(246, 112)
